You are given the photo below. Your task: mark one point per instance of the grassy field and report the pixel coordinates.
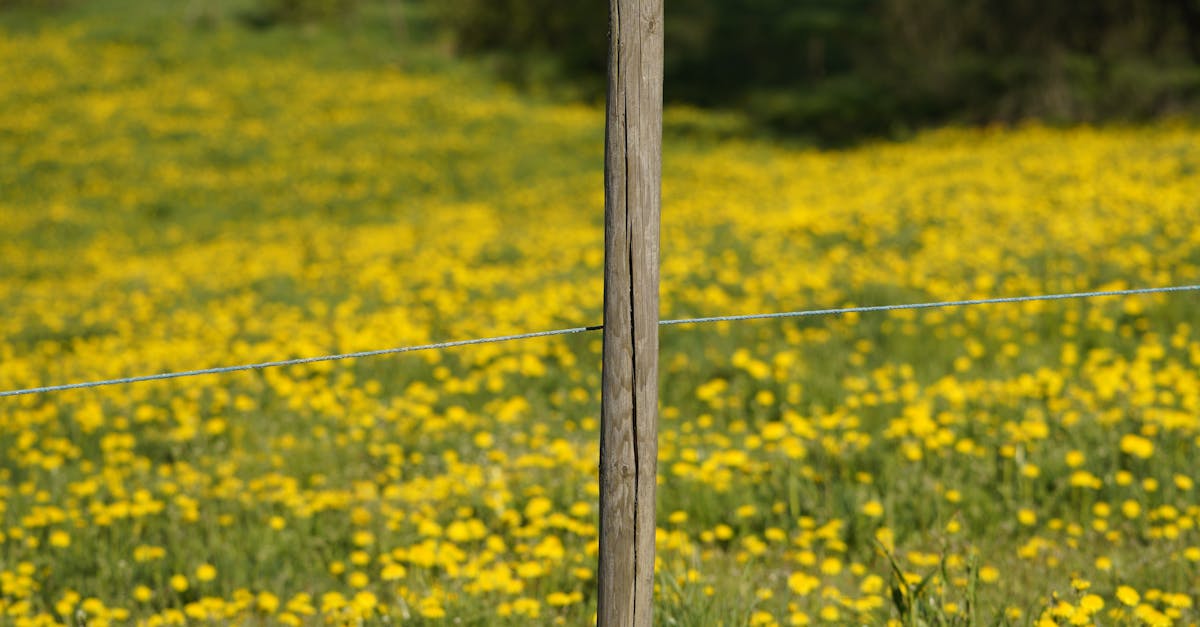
(181, 192)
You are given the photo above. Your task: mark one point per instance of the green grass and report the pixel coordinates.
(190, 191)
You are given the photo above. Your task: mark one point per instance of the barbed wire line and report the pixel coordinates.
(524, 336)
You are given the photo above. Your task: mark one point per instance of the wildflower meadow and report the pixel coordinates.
(184, 197)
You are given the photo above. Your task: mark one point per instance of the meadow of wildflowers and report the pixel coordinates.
(181, 198)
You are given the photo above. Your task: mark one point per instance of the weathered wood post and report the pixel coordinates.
(629, 405)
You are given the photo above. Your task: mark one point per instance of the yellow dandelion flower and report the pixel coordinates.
(1136, 445)
(1128, 596)
(1091, 603)
(392, 572)
(538, 507)
(365, 601)
(802, 583)
(432, 610)
(558, 599)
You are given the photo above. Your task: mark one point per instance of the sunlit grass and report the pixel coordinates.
(193, 198)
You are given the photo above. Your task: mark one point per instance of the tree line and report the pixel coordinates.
(839, 70)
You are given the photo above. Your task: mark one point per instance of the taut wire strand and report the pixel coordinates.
(523, 336)
(945, 303)
(295, 362)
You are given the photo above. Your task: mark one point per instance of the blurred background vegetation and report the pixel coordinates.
(839, 70)
(827, 71)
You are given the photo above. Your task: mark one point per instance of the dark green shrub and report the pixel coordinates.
(835, 70)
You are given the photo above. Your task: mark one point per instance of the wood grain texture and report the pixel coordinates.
(629, 405)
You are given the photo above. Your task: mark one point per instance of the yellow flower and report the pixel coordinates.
(558, 599)
(527, 607)
(1128, 596)
(530, 570)
(145, 553)
(392, 572)
(267, 602)
(432, 610)
(1137, 446)
(802, 583)
(143, 594)
(538, 507)
(746, 511)
(365, 601)
(831, 566)
(1085, 479)
(206, 572)
(773, 431)
(1091, 603)
(886, 537)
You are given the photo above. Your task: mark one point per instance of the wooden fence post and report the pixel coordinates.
(629, 405)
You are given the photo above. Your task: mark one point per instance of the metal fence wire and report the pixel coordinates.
(570, 331)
